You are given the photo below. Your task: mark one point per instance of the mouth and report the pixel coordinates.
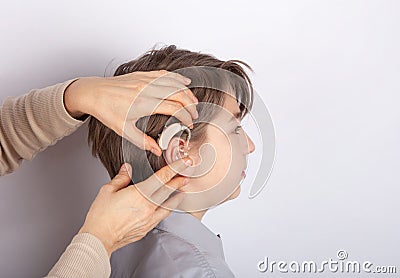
(243, 174)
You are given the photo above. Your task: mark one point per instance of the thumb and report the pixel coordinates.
(123, 178)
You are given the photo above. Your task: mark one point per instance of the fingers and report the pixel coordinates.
(155, 74)
(182, 96)
(186, 101)
(153, 146)
(175, 109)
(122, 179)
(163, 176)
(174, 86)
(159, 214)
(172, 75)
(163, 212)
(180, 77)
(165, 191)
(140, 139)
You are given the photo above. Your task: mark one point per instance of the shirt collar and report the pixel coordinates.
(189, 228)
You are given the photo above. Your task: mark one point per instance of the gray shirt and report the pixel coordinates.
(180, 246)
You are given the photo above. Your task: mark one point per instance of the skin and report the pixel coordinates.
(120, 215)
(222, 182)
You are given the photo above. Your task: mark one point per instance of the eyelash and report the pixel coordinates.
(239, 127)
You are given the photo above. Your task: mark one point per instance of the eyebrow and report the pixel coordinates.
(237, 116)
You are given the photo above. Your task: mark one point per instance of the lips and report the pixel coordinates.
(243, 174)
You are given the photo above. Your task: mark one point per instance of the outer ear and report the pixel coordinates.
(175, 149)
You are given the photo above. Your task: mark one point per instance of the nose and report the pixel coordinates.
(250, 144)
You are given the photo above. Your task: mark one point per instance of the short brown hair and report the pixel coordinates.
(107, 145)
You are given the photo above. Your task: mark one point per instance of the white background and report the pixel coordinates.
(328, 71)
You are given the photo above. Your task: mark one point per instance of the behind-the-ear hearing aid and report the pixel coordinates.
(169, 132)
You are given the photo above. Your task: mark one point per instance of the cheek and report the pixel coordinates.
(222, 182)
(230, 158)
(223, 161)
(224, 157)
(229, 162)
(235, 194)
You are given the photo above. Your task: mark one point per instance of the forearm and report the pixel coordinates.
(85, 257)
(32, 122)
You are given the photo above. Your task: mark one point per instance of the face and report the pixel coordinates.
(225, 151)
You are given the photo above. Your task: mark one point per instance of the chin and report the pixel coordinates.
(235, 193)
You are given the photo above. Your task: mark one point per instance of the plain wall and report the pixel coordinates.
(328, 71)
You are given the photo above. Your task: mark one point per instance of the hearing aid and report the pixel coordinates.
(169, 132)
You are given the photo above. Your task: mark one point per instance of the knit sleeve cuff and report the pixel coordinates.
(59, 105)
(86, 257)
(97, 246)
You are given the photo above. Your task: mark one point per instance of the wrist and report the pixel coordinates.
(75, 98)
(106, 243)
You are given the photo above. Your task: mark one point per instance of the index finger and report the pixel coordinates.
(183, 97)
(176, 85)
(163, 176)
(177, 76)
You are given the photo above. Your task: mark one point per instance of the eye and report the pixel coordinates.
(238, 129)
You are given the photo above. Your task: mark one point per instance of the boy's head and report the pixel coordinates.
(225, 95)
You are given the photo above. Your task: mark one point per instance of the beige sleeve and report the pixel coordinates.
(32, 122)
(29, 124)
(84, 257)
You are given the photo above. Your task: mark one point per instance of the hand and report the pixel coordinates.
(109, 100)
(121, 215)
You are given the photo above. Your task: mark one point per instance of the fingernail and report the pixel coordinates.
(187, 80)
(188, 161)
(185, 181)
(155, 151)
(125, 167)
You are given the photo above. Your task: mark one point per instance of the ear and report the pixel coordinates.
(176, 150)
